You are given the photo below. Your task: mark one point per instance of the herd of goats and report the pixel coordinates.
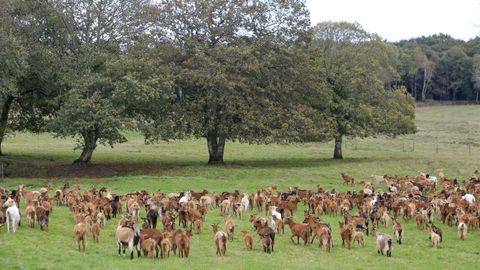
(420, 198)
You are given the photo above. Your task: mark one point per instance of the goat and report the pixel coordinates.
(348, 179)
(153, 234)
(266, 243)
(166, 246)
(248, 240)
(127, 237)
(182, 241)
(263, 230)
(80, 231)
(148, 246)
(398, 230)
(384, 244)
(357, 236)
(30, 215)
(300, 230)
(198, 223)
(435, 238)
(462, 230)
(438, 231)
(13, 214)
(245, 202)
(96, 231)
(220, 239)
(346, 234)
(229, 227)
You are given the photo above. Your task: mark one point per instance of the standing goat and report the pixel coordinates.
(13, 214)
(384, 244)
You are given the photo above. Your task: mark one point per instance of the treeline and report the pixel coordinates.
(223, 70)
(440, 67)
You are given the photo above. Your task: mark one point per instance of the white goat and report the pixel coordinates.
(245, 202)
(12, 213)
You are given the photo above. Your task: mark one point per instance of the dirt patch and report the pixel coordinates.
(90, 170)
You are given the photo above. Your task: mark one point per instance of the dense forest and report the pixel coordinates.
(440, 67)
(224, 70)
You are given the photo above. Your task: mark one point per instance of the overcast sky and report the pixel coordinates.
(403, 19)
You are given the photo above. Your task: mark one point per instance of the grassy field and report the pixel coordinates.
(445, 134)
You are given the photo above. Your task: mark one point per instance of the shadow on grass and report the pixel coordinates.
(34, 166)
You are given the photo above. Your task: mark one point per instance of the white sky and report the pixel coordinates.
(403, 19)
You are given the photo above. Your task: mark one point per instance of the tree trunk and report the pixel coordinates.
(89, 145)
(216, 147)
(414, 86)
(337, 153)
(476, 99)
(4, 119)
(424, 86)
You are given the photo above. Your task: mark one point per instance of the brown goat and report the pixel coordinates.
(230, 228)
(96, 231)
(220, 239)
(462, 230)
(348, 179)
(183, 243)
(435, 238)
(300, 230)
(248, 240)
(346, 234)
(398, 230)
(166, 246)
(80, 231)
(198, 223)
(266, 243)
(148, 246)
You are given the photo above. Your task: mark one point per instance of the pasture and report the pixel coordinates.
(444, 137)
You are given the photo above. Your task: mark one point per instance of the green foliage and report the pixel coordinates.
(357, 67)
(89, 116)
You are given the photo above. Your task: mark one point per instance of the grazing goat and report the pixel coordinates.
(348, 179)
(80, 231)
(248, 240)
(220, 239)
(462, 230)
(384, 244)
(300, 230)
(12, 213)
(398, 230)
(96, 231)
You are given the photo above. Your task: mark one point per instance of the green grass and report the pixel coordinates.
(180, 165)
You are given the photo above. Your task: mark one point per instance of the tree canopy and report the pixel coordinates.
(224, 70)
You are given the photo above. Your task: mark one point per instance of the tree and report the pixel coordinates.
(452, 76)
(476, 75)
(29, 78)
(230, 80)
(355, 62)
(411, 60)
(12, 61)
(99, 31)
